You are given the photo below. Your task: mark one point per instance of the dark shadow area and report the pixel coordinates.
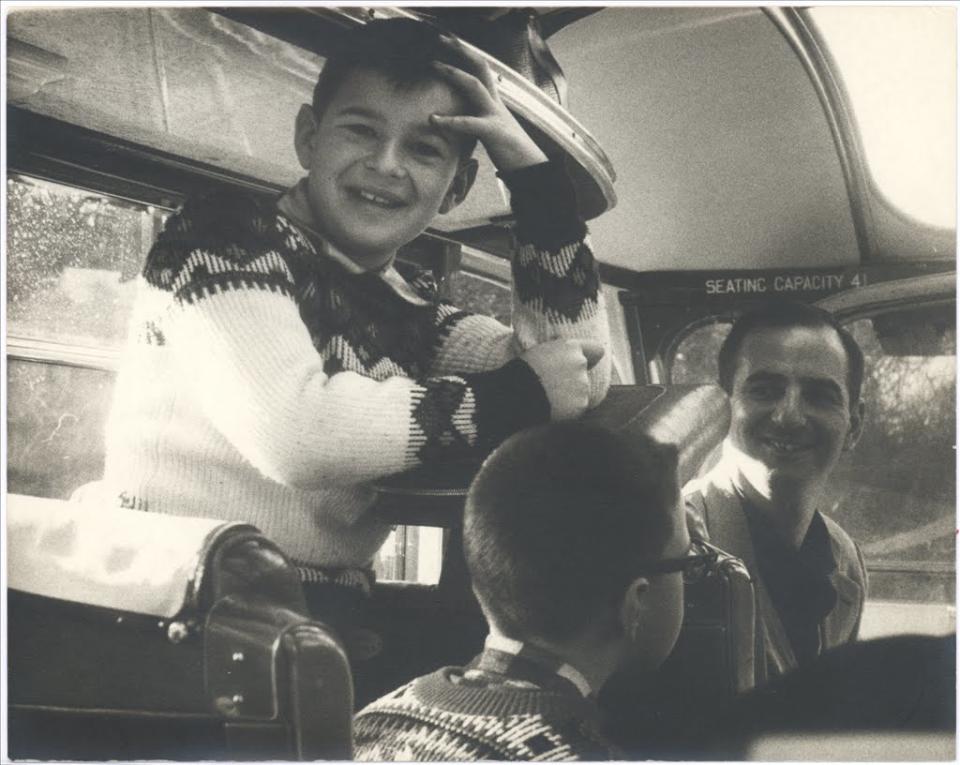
(898, 685)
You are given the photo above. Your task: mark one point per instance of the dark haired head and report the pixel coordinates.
(775, 314)
(402, 50)
(559, 520)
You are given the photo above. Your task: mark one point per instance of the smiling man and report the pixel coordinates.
(794, 378)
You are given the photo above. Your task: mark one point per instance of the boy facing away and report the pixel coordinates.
(280, 359)
(575, 540)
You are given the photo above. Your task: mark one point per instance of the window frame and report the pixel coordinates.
(916, 292)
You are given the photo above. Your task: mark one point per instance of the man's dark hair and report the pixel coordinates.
(777, 314)
(559, 521)
(402, 50)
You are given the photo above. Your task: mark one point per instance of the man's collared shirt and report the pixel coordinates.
(798, 581)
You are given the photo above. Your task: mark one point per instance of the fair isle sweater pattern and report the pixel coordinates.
(435, 718)
(264, 382)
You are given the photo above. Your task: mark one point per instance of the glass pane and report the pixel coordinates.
(900, 71)
(183, 80)
(479, 295)
(72, 259)
(896, 491)
(411, 554)
(55, 418)
(695, 360)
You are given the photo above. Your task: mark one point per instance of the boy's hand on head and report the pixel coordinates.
(562, 367)
(490, 122)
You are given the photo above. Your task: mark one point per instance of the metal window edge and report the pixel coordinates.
(20, 348)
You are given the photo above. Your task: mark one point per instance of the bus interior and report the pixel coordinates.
(722, 155)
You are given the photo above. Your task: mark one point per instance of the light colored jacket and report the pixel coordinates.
(716, 505)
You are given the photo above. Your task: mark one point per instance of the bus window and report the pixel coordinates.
(190, 95)
(895, 492)
(72, 256)
(72, 259)
(896, 61)
(695, 360)
(480, 295)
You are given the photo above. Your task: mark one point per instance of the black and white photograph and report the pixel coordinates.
(451, 382)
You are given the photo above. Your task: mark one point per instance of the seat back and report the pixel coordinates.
(139, 636)
(657, 715)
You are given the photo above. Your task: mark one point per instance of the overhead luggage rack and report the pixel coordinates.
(557, 132)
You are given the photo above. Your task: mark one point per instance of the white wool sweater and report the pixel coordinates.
(266, 382)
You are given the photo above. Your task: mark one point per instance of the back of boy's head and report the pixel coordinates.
(400, 49)
(558, 522)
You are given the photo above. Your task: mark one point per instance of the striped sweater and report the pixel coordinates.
(449, 717)
(266, 381)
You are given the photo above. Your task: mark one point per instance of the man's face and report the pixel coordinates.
(791, 413)
(378, 170)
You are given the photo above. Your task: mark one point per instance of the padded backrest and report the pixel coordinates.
(108, 557)
(141, 636)
(693, 418)
(658, 715)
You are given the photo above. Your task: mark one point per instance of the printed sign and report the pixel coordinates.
(732, 287)
(783, 282)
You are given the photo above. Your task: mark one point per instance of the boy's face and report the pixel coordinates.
(378, 170)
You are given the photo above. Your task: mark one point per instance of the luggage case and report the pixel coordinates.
(141, 636)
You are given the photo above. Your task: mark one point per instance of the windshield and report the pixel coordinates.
(898, 65)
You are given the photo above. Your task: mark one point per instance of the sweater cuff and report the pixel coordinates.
(544, 202)
(508, 399)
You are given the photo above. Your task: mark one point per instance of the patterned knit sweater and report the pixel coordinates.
(264, 381)
(443, 717)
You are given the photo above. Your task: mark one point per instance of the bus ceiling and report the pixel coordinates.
(739, 134)
(219, 90)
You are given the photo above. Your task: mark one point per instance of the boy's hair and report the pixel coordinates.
(777, 314)
(559, 521)
(402, 50)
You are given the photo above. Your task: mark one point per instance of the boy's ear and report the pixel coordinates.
(460, 185)
(633, 607)
(304, 131)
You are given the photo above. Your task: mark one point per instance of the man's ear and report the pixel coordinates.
(633, 607)
(460, 185)
(857, 413)
(305, 130)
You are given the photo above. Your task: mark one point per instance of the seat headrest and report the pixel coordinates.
(109, 557)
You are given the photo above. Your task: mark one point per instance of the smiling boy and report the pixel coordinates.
(369, 202)
(794, 377)
(280, 359)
